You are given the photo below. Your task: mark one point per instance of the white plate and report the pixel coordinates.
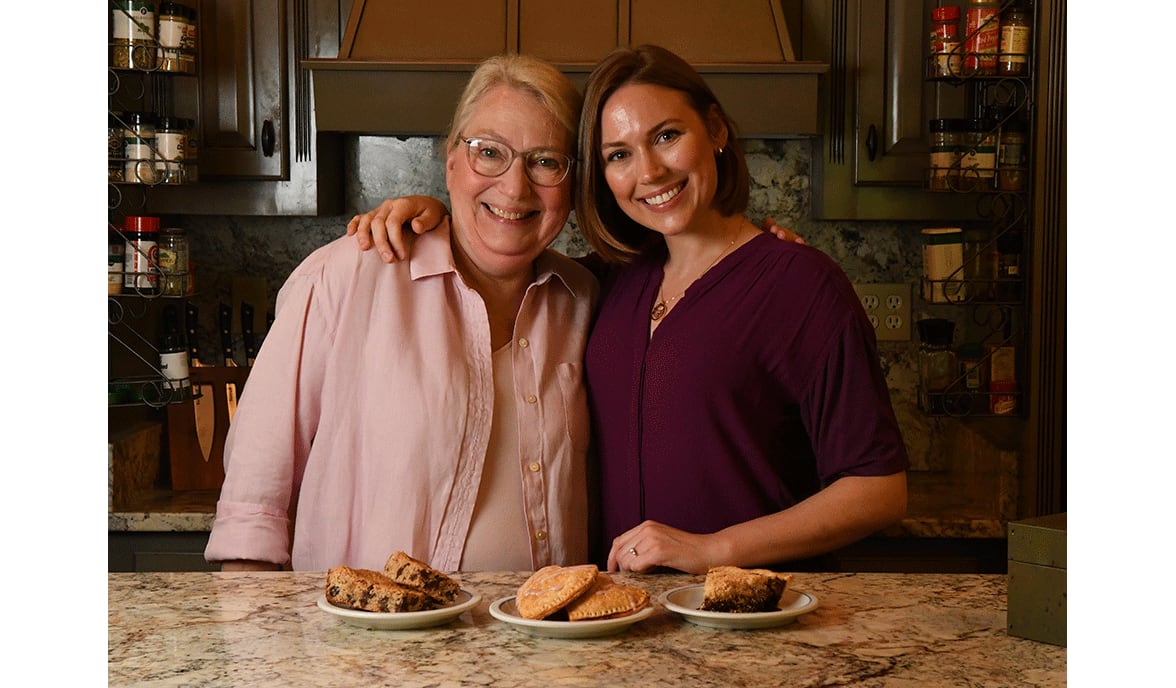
(687, 600)
(506, 611)
(402, 621)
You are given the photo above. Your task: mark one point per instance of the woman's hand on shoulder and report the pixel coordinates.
(383, 228)
(783, 233)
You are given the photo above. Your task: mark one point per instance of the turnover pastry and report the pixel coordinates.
(551, 588)
(732, 589)
(579, 593)
(605, 599)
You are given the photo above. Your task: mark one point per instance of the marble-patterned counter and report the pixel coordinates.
(264, 629)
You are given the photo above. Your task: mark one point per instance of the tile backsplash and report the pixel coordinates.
(383, 167)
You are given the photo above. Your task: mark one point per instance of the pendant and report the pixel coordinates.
(659, 309)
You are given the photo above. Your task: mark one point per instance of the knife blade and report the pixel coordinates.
(247, 333)
(202, 402)
(226, 334)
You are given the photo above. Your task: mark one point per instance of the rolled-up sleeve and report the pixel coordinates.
(276, 420)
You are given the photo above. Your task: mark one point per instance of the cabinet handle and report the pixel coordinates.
(267, 138)
(872, 143)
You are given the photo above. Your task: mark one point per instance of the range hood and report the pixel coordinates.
(403, 63)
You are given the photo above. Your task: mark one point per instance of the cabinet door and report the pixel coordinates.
(871, 160)
(243, 80)
(251, 73)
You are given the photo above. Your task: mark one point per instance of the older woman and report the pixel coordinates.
(738, 405)
(435, 406)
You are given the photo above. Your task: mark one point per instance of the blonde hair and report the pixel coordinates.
(550, 87)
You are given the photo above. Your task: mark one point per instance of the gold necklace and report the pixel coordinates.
(663, 305)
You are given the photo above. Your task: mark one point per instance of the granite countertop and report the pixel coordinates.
(166, 511)
(264, 629)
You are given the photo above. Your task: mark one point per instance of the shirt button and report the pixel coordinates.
(523, 342)
(540, 535)
(531, 399)
(534, 466)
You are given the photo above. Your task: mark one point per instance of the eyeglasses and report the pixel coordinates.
(491, 158)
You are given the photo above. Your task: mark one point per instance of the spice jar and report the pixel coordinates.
(139, 148)
(978, 167)
(188, 42)
(1011, 171)
(141, 259)
(980, 260)
(173, 261)
(114, 147)
(982, 40)
(173, 18)
(191, 170)
(1009, 246)
(171, 140)
(975, 374)
(946, 144)
(132, 34)
(946, 54)
(943, 265)
(938, 365)
(1002, 374)
(1016, 35)
(115, 257)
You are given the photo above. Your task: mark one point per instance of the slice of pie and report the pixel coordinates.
(733, 589)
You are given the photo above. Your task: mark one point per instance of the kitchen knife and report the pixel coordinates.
(226, 334)
(202, 402)
(247, 333)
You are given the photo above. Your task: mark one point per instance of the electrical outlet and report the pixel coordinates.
(888, 308)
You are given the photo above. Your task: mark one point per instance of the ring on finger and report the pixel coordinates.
(633, 551)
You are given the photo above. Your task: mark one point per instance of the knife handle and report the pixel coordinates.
(191, 320)
(225, 314)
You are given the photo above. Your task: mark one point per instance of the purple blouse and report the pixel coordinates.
(760, 387)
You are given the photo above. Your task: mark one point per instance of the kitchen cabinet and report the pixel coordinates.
(745, 50)
(259, 150)
(870, 162)
(148, 552)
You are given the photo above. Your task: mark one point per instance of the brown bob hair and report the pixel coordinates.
(612, 234)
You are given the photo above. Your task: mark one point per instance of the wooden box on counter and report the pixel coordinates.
(1037, 579)
(134, 462)
(196, 429)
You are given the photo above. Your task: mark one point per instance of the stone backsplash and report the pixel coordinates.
(382, 167)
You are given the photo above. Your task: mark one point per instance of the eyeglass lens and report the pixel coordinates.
(492, 158)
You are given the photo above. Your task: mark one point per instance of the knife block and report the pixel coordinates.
(190, 468)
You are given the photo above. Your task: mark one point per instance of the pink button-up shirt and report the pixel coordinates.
(367, 415)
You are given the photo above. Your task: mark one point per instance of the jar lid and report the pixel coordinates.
(173, 8)
(173, 230)
(941, 125)
(945, 13)
(171, 123)
(936, 331)
(141, 223)
(979, 124)
(140, 118)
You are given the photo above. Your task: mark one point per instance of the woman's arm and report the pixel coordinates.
(841, 514)
(383, 227)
